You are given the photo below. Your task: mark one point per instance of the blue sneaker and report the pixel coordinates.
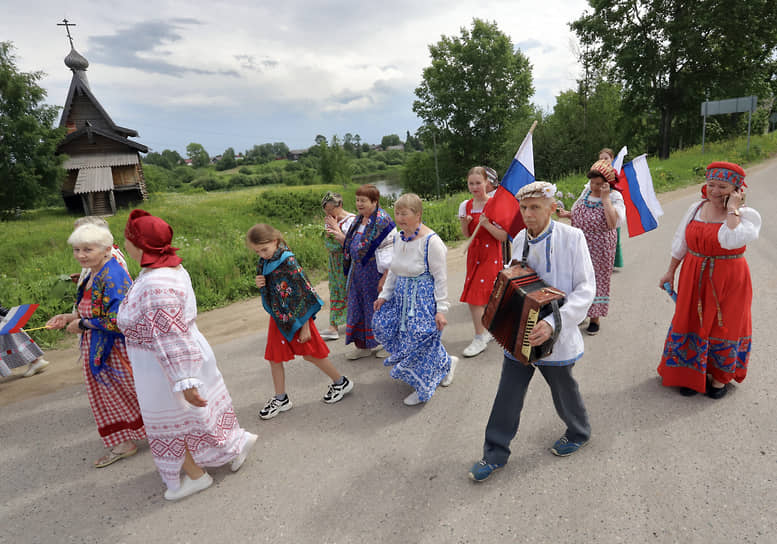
(564, 447)
(481, 470)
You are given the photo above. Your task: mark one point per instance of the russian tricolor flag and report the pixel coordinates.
(503, 208)
(17, 318)
(636, 185)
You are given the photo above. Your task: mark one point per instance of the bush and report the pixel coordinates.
(209, 181)
(296, 207)
(245, 171)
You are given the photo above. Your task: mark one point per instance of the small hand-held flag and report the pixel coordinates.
(636, 185)
(503, 208)
(17, 317)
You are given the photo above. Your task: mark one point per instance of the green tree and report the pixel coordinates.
(280, 150)
(389, 140)
(670, 54)
(173, 158)
(568, 140)
(30, 172)
(476, 85)
(227, 160)
(198, 155)
(335, 165)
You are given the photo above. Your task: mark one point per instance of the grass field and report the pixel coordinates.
(210, 229)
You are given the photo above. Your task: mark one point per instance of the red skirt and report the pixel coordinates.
(484, 261)
(279, 350)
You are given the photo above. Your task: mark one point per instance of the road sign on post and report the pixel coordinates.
(730, 105)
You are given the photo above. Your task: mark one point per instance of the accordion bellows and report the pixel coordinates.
(520, 299)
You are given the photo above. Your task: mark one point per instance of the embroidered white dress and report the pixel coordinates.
(560, 257)
(168, 355)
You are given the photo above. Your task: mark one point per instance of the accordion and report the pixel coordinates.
(520, 299)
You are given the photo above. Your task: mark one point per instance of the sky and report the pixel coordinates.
(235, 74)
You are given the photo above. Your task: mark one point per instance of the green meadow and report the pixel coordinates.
(210, 230)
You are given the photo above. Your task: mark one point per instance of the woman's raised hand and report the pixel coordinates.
(566, 214)
(736, 199)
(331, 224)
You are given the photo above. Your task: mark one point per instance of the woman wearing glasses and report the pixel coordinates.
(338, 221)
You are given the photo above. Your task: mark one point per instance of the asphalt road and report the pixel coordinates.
(660, 468)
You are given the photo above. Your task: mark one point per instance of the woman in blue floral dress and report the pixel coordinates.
(410, 309)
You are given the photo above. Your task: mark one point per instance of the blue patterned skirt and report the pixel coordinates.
(406, 328)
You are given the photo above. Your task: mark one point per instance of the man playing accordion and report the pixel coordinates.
(559, 255)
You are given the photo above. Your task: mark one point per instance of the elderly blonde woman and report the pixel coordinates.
(109, 382)
(410, 309)
(338, 221)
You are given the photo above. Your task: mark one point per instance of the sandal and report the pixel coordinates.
(112, 456)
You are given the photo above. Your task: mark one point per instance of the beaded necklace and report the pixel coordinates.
(409, 238)
(588, 203)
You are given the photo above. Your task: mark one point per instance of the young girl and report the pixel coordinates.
(484, 256)
(292, 303)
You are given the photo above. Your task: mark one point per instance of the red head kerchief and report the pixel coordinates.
(727, 171)
(152, 235)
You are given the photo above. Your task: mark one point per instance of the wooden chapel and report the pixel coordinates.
(104, 170)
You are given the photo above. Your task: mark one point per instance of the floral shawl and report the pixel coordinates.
(287, 294)
(109, 288)
(378, 227)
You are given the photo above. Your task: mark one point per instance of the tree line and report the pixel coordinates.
(647, 67)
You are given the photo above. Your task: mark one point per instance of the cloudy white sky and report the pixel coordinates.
(235, 74)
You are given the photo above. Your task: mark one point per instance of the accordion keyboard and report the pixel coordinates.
(531, 321)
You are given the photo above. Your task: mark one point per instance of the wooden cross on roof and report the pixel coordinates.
(67, 26)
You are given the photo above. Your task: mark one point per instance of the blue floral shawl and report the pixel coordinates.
(378, 227)
(287, 294)
(109, 288)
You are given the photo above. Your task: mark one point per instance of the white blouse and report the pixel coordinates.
(746, 231)
(408, 261)
(463, 208)
(615, 197)
(384, 252)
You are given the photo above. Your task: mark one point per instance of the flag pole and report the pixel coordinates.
(477, 227)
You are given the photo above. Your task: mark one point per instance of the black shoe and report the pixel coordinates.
(716, 392)
(687, 392)
(593, 328)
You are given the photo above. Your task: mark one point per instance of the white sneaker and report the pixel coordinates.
(358, 353)
(36, 367)
(382, 354)
(330, 335)
(238, 461)
(486, 337)
(412, 399)
(476, 347)
(448, 379)
(189, 487)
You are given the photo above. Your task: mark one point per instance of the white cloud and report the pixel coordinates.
(331, 63)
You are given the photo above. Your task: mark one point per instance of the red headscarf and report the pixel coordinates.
(724, 171)
(153, 236)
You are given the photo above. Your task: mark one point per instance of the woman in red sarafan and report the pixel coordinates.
(708, 343)
(484, 256)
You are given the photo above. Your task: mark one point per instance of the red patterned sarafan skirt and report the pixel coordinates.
(712, 327)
